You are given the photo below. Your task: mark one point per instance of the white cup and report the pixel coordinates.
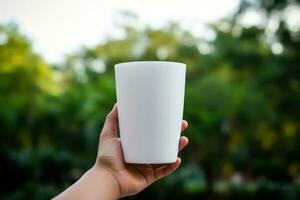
(150, 98)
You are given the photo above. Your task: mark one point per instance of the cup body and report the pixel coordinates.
(150, 99)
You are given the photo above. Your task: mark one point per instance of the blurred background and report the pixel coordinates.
(242, 92)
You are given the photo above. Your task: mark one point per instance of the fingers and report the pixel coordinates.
(184, 125)
(183, 140)
(111, 124)
(182, 143)
(168, 169)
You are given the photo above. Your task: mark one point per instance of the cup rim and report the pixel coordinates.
(149, 62)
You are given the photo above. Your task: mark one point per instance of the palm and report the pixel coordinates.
(131, 178)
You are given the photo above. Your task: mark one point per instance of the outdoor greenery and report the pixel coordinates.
(242, 103)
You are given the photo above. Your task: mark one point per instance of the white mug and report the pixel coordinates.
(150, 99)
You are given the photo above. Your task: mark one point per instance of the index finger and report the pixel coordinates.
(184, 125)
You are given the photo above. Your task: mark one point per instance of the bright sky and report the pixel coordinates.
(57, 27)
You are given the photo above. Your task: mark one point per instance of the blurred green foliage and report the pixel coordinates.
(242, 104)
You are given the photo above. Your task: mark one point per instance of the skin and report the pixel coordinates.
(110, 177)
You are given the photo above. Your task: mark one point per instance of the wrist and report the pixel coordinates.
(106, 178)
(96, 184)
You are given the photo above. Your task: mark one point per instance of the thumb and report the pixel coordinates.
(111, 124)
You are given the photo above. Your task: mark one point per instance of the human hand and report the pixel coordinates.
(129, 179)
